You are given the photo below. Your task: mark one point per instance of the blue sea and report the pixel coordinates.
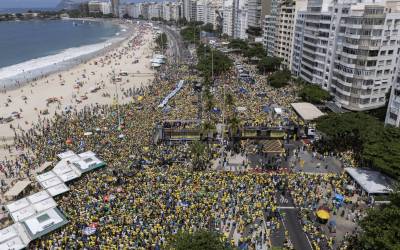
(26, 40)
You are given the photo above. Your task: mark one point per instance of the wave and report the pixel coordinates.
(18, 74)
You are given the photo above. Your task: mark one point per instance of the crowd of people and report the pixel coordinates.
(147, 192)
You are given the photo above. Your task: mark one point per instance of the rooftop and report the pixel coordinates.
(373, 182)
(307, 111)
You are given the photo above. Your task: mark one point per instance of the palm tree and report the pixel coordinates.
(199, 155)
(234, 126)
(208, 126)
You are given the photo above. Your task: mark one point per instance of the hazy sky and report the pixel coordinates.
(40, 3)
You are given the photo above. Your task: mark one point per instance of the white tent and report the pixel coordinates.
(17, 205)
(307, 111)
(58, 189)
(23, 214)
(66, 154)
(37, 197)
(373, 182)
(18, 188)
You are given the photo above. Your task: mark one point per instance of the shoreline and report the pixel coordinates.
(73, 86)
(61, 61)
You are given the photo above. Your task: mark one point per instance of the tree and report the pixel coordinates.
(161, 41)
(373, 144)
(269, 64)
(314, 94)
(256, 50)
(238, 44)
(191, 34)
(199, 155)
(279, 79)
(208, 27)
(381, 226)
(254, 31)
(210, 60)
(198, 240)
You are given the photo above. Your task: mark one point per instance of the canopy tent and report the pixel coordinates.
(43, 167)
(373, 182)
(18, 188)
(307, 111)
(273, 147)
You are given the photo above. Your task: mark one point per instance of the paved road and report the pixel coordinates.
(175, 42)
(292, 224)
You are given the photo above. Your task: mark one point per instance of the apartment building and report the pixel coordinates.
(254, 13)
(279, 27)
(393, 111)
(350, 49)
(228, 19)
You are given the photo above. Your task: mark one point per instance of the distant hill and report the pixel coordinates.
(70, 4)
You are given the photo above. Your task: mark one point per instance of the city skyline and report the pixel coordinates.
(10, 4)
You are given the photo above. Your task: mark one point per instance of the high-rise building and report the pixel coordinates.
(189, 10)
(228, 20)
(254, 13)
(115, 7)
(393, 111)
(349, 48)
(279, 29)
(99, 7)
(241, 18)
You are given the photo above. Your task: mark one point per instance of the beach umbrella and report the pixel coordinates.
(68, 141)
(323, 214)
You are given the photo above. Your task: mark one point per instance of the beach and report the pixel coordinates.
(89, 82)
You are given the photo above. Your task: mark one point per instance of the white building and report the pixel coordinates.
(99, 7)
(189, 10)
(155, 10)
(349, 49)
(279, 29)
(228, 20)
(135, 10)
(254, 13)
(201, 11)
(393, 111)
(240, 19)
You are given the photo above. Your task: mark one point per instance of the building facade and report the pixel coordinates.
(349, 49)
(393, 111)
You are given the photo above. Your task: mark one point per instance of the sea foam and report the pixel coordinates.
(17, 75)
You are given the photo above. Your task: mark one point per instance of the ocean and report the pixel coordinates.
(29, 48)
(26, 40)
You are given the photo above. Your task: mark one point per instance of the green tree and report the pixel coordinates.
(269, 64)
(191, 34)
(162, 41)
(208, 27)
(279, 78)
(199, 155)
(238, 44)
(210, 60)
(381, 226)
(199, 240)
(256, 50)
(314, 94)
(373, 144)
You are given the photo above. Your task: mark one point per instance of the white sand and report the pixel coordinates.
(63, 85)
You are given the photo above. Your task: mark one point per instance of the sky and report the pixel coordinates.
(40, 3)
